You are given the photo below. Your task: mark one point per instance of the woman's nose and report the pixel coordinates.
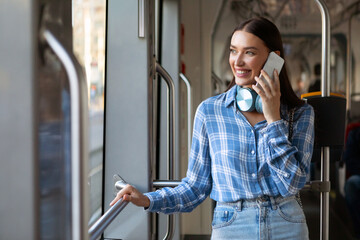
(239, 61)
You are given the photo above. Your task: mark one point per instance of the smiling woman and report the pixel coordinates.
(251, 162)
(246, 161)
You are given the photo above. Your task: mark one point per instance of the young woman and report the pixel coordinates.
(246, 160)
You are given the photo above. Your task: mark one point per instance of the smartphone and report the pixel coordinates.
(273, 62)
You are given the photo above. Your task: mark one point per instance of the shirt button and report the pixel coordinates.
(253, 175)
(252, 152)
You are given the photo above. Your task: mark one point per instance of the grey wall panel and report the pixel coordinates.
(127, 124)
(18, 201)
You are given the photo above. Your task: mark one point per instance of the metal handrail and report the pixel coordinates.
(171, 141)
(325, 53)
(104, 221)
(141, 18)
(78, 98)
(325, 92)
(171, 120)
(349, 67)
(166, 183)
(189, 110)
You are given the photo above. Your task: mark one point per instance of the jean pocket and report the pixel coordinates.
(223, 216)
(291, 211)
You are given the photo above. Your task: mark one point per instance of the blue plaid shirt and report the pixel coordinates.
(232, 160)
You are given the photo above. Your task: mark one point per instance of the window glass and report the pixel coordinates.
(88, 18)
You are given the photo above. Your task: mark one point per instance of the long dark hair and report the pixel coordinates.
(269, 33)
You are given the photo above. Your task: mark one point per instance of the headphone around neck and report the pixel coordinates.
(248, 100)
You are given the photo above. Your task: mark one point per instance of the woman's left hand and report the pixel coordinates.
(270, 96)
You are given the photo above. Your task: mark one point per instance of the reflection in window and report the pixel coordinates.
(89, 47)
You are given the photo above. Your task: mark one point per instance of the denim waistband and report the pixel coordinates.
(261, 201)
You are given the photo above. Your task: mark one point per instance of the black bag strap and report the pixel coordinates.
(291, 123)
(291, 131)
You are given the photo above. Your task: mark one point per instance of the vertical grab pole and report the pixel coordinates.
(348, 69)
(78, 98)
(171, 142)
(325, 53)
(325, 92)
(189, 102)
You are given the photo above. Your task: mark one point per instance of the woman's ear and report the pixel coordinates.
(277, 52)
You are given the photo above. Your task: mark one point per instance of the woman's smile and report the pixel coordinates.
(242, 72)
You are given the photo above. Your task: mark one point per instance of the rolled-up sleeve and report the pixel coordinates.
(289, 161)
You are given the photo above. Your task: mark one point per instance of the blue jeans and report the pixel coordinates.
(262, 218)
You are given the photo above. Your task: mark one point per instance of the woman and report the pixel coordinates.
(246, 161)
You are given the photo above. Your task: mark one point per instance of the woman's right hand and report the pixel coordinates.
(131, 194)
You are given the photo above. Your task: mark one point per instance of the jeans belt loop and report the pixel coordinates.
(273, 203)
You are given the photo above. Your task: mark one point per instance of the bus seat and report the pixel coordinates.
(330, 115)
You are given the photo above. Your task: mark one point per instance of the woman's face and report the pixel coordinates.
(248, 54)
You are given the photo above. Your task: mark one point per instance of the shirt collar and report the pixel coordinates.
(230, 96)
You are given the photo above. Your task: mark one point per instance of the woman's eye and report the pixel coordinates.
(232, 51)
(250, 53)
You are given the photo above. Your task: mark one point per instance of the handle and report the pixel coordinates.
(103, 222)
(325, 92)
(171, 120)
(171, 141)
(141, 18)
(166, 183)
(189, 110)
(79, 115)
